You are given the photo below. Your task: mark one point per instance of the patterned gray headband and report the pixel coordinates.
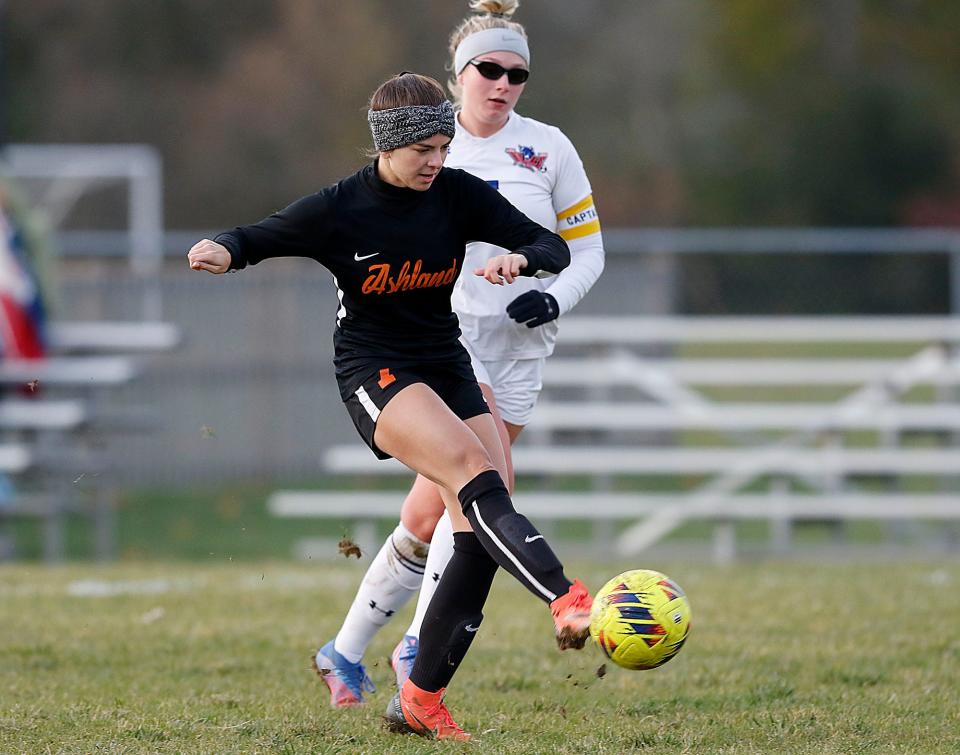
(400, 126)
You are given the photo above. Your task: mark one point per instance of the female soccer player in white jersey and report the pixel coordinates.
(508, 331)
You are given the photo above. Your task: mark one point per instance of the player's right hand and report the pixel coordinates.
(210, 256)
(504, 268)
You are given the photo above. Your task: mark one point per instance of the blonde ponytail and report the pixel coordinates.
(502, 8)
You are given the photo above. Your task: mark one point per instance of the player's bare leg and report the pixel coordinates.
(441, 544)
(467, 460)
(392, 578)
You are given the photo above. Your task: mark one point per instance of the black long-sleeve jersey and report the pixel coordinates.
(395, 254)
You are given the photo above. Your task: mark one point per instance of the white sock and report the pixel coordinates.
(441, 551)
(393, 577)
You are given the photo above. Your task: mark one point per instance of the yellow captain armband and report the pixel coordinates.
(579, 220)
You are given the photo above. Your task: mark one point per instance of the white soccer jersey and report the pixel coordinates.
(537, 168)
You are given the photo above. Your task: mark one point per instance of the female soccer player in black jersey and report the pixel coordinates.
(394, 237)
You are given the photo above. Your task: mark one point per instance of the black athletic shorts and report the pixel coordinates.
(367, 390)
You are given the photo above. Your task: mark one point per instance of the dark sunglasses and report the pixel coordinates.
(494, 71)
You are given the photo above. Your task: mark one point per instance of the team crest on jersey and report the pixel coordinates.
(528, 157)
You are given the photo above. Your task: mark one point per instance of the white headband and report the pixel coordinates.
(489, 40)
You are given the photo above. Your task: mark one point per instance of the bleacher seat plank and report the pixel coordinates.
(687, 460)
(17, 414)
(626, 370)
(14, 458)
(90, 372)
(625, 331)
(745, 416)
(119, 336)
(593, 505)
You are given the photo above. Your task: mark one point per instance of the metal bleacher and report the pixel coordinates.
(57, 413)
(614, 410)
(52, 408)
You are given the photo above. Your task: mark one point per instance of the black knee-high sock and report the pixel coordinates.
(454, 613)
(510, 539)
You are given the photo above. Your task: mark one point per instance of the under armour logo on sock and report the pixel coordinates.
(375, 607)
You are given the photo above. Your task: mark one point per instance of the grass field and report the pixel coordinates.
(783, 658)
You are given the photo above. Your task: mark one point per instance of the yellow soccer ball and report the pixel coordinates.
(640, 619)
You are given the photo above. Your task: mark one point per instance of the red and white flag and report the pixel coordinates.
(21, 306)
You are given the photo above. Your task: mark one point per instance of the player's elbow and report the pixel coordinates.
(601, 263)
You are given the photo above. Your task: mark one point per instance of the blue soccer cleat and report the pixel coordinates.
(404, 654)
(347, 681)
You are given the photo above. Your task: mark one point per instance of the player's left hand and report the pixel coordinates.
(504, 268)
(534, 308)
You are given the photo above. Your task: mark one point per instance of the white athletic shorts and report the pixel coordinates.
(516, 384)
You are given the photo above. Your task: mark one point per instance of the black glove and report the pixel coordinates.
(534, 308)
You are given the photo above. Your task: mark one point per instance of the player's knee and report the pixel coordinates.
(422, 526)
(468, 461)
(422, 509)
(477, 465)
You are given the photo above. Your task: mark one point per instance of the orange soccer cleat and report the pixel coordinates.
(571, 615)
(415, 711)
